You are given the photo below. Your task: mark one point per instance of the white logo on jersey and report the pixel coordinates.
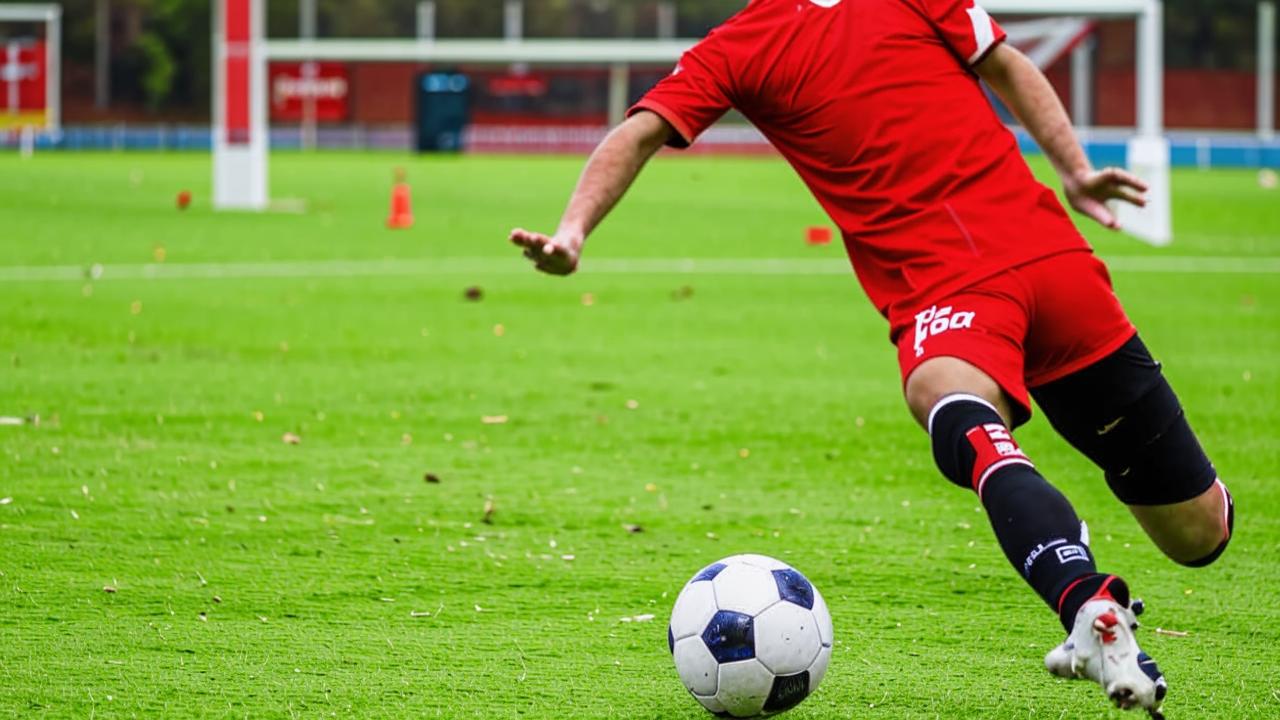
(936, 321)
(825, 3)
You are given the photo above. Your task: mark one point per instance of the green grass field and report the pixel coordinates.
(721, 412)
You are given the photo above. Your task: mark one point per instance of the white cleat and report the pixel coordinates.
(1102, 648)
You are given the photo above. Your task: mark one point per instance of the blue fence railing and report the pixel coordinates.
(1105, 147)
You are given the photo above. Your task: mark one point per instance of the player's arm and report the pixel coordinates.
(1027, 92)
(612, 168)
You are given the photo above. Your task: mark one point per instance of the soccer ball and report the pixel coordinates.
(750, 636)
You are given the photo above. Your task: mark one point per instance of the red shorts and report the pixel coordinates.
(1024, 327)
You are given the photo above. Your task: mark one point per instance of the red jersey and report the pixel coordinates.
(874, 104)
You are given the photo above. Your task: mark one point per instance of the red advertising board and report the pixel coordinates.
(326, 85)
(23, 80)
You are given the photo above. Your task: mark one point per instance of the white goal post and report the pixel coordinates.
(240, 93)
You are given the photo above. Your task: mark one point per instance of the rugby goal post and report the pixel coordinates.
(241, 55)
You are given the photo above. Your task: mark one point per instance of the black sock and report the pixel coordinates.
(1036, 526)
(1082, 590)
(1039, 533)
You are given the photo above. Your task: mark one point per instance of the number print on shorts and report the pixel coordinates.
(825, 3)
(935, 321)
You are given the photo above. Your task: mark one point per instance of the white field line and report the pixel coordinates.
(285, 269)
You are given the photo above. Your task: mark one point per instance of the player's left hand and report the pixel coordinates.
(1089, 192)
(554, 255)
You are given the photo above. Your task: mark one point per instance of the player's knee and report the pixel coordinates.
(1157, 459)
(939, 378)
(1143, 443)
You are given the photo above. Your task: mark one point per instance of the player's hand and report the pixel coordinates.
(554, 255)
(1089, 192)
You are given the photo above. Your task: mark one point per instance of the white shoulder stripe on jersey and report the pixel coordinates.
(983, 32)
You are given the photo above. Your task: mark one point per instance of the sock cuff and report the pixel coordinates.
(957, 398)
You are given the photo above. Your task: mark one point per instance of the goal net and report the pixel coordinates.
(562, 95)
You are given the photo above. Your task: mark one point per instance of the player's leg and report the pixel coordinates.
(964, 383)
(1102, 391)
(969, 416)
(1122, 414)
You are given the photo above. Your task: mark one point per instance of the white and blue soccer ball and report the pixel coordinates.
(750, 636)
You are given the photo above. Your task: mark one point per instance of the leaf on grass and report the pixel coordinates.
(432, 478)
(494, 419)
(291, 439)
(110, 589)
(633, 529)
(682, 293)
(489, 509)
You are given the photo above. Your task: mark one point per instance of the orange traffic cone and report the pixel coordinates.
(401, 217)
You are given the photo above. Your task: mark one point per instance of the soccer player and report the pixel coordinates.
(991, 294)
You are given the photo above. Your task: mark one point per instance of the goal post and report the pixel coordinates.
(240, 132)
(242, 53)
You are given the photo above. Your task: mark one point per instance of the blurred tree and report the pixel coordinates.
(1211, 34)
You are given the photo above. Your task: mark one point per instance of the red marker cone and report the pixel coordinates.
(401, 217)
(818, 235)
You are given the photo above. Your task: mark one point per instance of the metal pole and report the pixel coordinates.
(1151, 71)
(307, 22)
(102, 55)
(53, 60)
(666, 20)
(308, 19)
(513, 20)
(1082, 85)
(427, 20)
(619, 88)
(1266, 70)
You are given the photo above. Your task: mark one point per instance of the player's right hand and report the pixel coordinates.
(554, 255)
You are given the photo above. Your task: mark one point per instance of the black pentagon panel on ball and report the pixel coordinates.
(794, 587)
(730, 636)
(787, 692)
(709, 573)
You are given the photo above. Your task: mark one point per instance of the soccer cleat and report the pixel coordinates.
(1102, 648)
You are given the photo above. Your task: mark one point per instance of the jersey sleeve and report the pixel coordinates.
(964, 26)
(693, 97)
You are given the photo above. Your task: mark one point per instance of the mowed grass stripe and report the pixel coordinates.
(489, 266)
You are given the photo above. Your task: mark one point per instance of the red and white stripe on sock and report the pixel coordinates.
(995, 448)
